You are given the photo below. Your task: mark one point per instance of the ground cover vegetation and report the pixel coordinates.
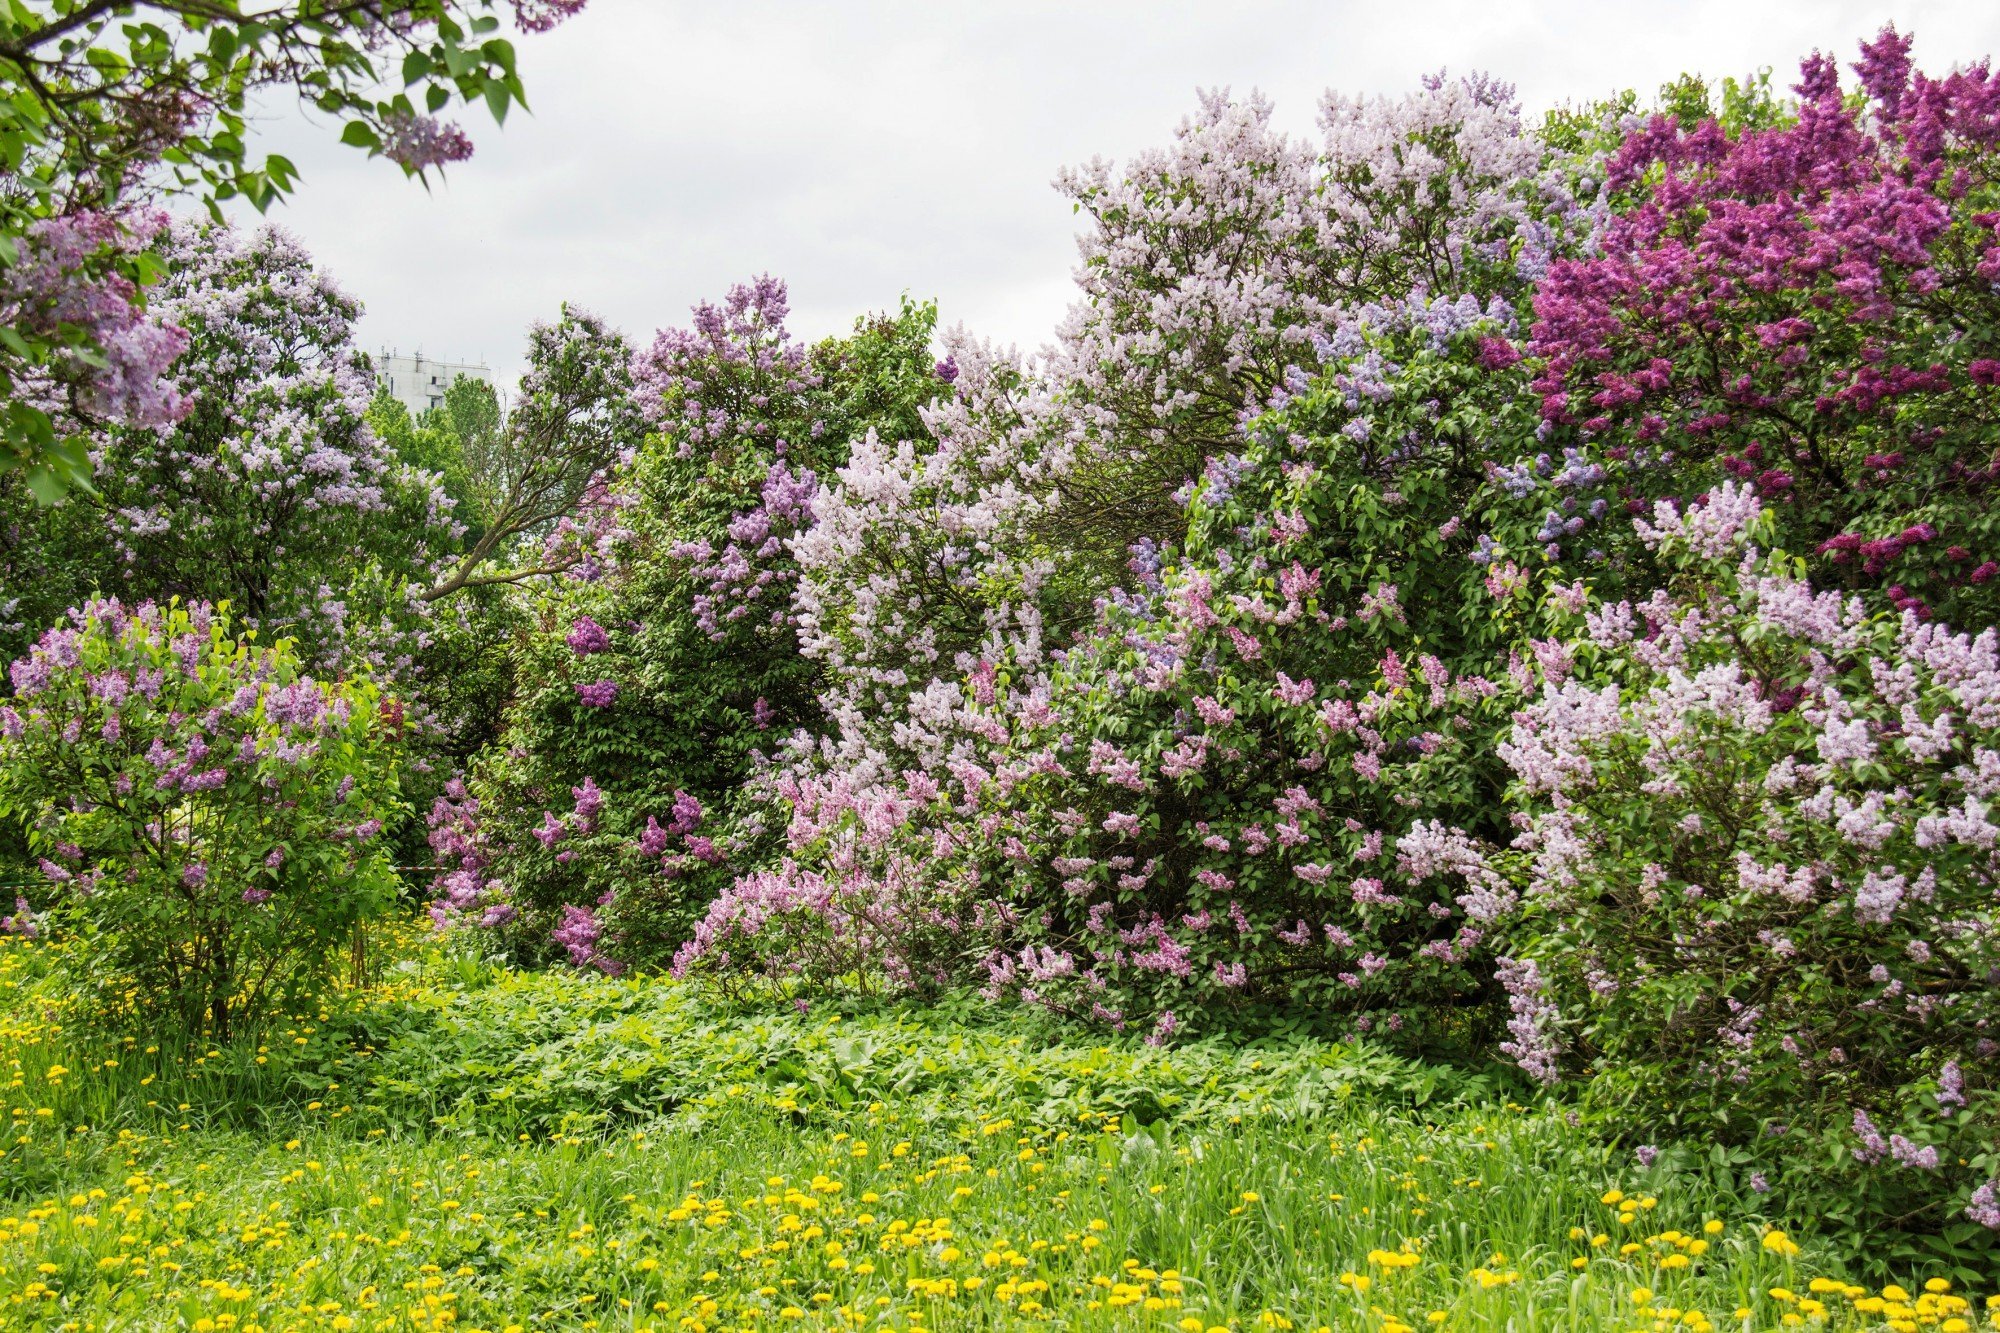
(1428, 762)
(463, 1145)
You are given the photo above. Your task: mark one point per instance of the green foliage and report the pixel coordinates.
(472, 409)
(1735, 104)
(432, 443)
(593, 1142)
(1590, 131)
(50, 557)
(563, 1052)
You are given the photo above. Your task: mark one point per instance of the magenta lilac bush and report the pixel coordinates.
(1809, 308)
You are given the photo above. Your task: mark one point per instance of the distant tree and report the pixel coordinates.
(541, 477)
(473, 412)
(428, 442)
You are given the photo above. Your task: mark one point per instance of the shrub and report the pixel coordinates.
(271, 492)
(1807, 304)
(626, 789)
(1266, 774)
(204, 811)
(1762, 879)
(1169, 678)
(501, 1052)
(1166, 793)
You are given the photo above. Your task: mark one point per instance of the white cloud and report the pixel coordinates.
(869, 147)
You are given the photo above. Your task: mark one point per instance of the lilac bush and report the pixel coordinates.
(1262, 777)
(266, 489)
(663, 673)
(1071, 770)
(1808, 306)
(1760, 881)
(205, 813)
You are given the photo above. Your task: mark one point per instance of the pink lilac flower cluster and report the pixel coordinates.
(582, 936)
(421, 143)
(543, 15)
(467, 895)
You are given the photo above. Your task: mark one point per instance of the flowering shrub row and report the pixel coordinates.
(1375, 639)
(1449, 578)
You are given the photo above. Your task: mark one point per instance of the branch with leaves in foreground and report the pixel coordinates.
(109, 107)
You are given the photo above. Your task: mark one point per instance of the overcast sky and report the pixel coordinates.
(863, 148)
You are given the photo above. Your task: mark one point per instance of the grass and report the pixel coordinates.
(460, 1148)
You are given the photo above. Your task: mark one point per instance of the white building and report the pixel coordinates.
(419, 381)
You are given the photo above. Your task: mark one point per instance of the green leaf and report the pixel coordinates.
(48, 486)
